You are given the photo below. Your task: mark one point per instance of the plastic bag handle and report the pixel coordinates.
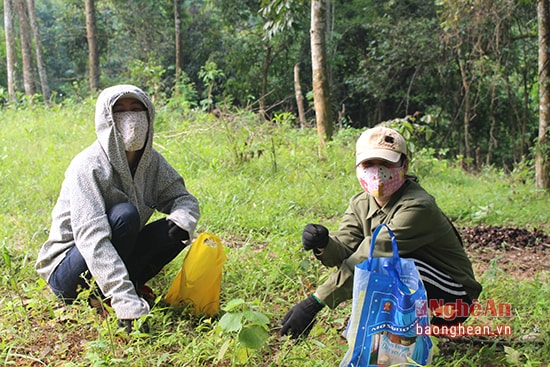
(395, 250)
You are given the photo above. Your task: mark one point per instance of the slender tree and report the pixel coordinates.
(38, 51)
(321, 91)
(10, 50)
(482, 56)
(179, 48)
(93, 53)
(299, 96)
(542, 161)
(26, 53)
(279, 23)
(265, 71)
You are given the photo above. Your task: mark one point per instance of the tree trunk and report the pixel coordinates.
(26, 53)
(93, 54)
(179, 48)
(467, 114)
(10, 51)
(492, 142)
(38, 50)
(542, 161)
(321, 92)
(299, 97)
(265, 70)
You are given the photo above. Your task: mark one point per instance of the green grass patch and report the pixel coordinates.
(258, 185)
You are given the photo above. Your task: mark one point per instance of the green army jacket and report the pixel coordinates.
(422, 231)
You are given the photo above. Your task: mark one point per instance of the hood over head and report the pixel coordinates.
(107, 135)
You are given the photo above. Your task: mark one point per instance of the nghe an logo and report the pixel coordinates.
(421, 307)
(459, 308)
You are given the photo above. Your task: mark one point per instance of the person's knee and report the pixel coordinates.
(66, 287)
(124, 214)
(70, 276)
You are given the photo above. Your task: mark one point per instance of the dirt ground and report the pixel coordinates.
(519, 252)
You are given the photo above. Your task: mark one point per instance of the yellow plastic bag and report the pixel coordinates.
(199, 279)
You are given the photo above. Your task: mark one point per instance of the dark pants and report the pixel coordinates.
(444, 295)
(443, 298)
(144, 253)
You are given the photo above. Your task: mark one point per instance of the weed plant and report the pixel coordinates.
(258, 185)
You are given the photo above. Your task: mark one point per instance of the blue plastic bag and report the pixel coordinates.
(389, 308)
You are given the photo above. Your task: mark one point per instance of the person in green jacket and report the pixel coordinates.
(422, 231)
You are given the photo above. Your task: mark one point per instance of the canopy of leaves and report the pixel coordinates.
(388, 59)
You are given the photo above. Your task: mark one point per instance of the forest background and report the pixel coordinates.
(468, 69)
(458, 78)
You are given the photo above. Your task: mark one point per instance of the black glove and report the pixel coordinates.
(314, 236)
(300, 319)
(176, 233)
(128, 326)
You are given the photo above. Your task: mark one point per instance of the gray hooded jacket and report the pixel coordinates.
(98, 178)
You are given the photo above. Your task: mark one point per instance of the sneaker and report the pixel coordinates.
(147, 294)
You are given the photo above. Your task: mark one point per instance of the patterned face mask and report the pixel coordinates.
(380, 181)
(132, 127)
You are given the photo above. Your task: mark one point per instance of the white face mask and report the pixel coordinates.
(132, 127)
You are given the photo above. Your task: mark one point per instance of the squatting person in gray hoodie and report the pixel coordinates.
(100, 227)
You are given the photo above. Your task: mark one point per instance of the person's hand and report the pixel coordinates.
(176, 233)
(314, 236)
(300, 319)
(128, 325)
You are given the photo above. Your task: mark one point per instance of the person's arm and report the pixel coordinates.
(343, 242)
(92, 233)
(412, 222)
(347, 247)
(341, 249)
(174, 200)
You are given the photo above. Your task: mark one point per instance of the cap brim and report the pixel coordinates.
(384, 154)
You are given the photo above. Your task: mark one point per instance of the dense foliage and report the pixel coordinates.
(469, 67)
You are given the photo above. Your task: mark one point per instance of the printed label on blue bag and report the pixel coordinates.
(393, 349)
(385, 313)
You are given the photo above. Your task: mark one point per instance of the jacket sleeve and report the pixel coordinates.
(92, 235)
(414, 223)
(339, 285)
(174, 200)
(346, 248)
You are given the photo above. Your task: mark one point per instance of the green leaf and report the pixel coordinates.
(242, 355)
(234, 303)
(7, 258)
(231, 322)
(223, 350)
(253, 336)
(256, 317)
(513, 356)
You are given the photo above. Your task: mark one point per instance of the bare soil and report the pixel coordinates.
(519, 252)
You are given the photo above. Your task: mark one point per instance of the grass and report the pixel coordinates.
(258, 185)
